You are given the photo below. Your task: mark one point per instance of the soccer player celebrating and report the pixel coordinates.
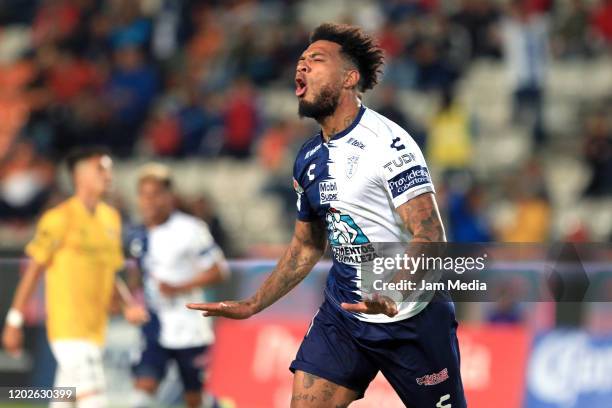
(361, 179)
(177, 257)
(78, 243)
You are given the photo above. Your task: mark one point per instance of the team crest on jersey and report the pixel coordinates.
(136, 248)
(351, 165)
(342, 229)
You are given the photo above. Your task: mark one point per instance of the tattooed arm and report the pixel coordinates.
(306, 248)
(422, 218)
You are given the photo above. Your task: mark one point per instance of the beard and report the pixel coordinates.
(324, 104)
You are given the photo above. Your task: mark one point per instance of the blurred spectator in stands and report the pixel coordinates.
(507, 309)
(531, 220)
(131, 88)
(398, 10)
(55, 21)
(162, 134)
(572, 30)
(68, 75)
(397, 41)
(479, 18)
(129, 27)
(241, 120)
(200, 123)
(598, 154)
(388, 107)
(450, 134)
(602, 21)
(25, 183)
(525, 40)
(434, 55)
(273, 148)
(15, 103)
(276, 145)
(467, 213)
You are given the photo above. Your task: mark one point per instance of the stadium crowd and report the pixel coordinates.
(179, 79)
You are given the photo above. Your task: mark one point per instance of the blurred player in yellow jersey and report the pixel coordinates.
(78, 244)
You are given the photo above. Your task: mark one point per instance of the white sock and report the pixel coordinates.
(141, 399)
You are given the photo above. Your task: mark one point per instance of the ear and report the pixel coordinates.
(351, 79)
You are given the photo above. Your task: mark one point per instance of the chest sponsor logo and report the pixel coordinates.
(351, 165)
(405, 158)
(408, 179)
(342, 229)
(328, 192)
(354, 142)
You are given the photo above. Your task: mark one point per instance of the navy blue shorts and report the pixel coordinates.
(419, 356)
(154, 359)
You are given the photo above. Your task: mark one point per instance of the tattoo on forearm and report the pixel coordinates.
(304, 251)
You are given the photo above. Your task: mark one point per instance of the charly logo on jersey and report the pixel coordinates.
(351, 165)
(328, 191)
(342, 229)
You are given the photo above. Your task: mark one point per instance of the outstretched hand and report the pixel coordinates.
(376, 304)
(228, 308)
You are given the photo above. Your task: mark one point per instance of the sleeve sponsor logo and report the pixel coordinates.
(328, 191)
(408, 179)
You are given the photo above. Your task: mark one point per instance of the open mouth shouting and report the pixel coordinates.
(300, 86)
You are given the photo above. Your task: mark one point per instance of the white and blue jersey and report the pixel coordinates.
(174, 253)
(354, 183)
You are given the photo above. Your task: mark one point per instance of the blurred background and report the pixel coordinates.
(510, 101)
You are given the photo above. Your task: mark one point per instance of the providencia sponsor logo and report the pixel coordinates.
(408, 179)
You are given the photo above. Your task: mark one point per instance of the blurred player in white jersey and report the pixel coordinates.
(177, 257)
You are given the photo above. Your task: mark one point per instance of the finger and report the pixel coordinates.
(382, 305)
(206, 306)
(211, 314)
(360, 307)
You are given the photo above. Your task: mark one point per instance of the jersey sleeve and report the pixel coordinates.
(207, 252)
(50, 232)
(304, 210)
(402, 169)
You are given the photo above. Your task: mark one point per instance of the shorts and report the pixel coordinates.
(154, 359)
(419, 356)
(79, 364)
